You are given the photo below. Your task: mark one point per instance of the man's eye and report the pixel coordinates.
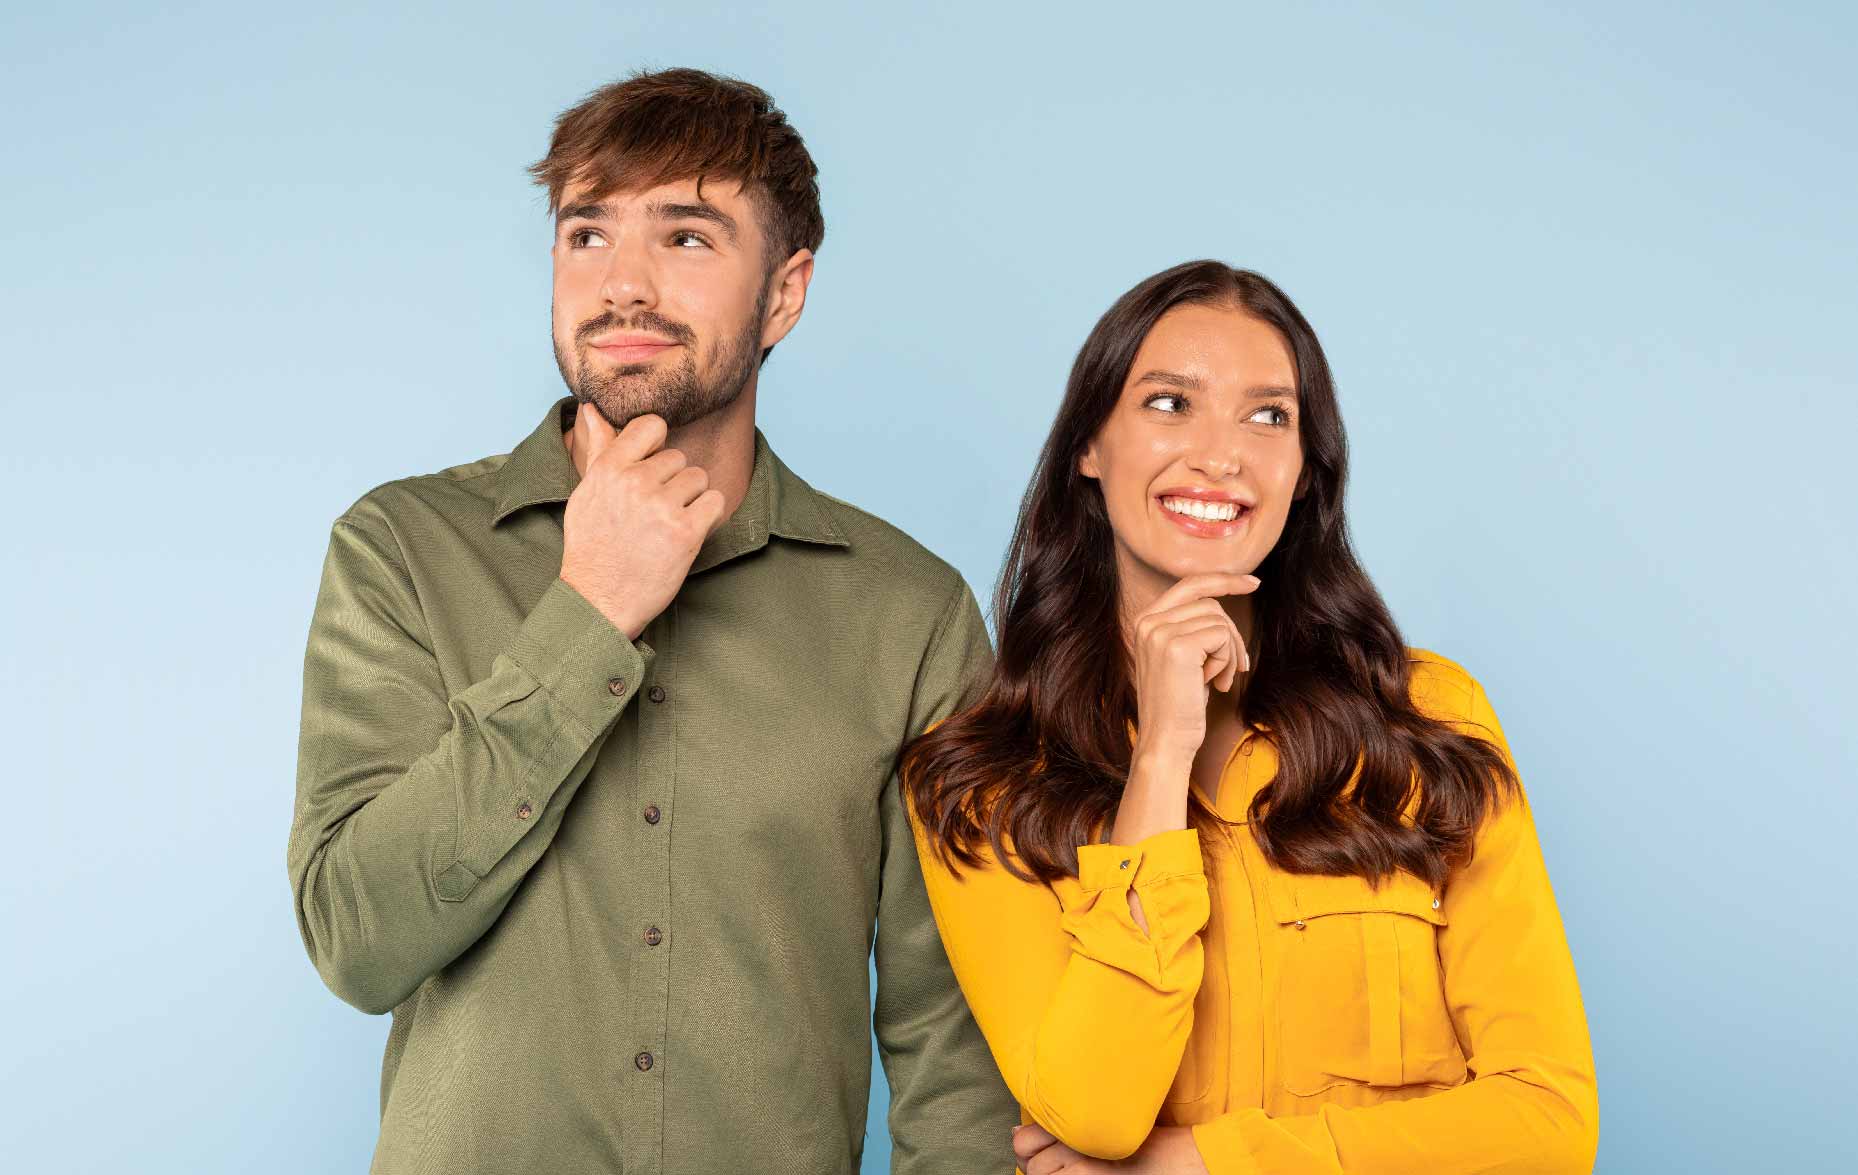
(686, 239)
(1179, 403)
(582, 238)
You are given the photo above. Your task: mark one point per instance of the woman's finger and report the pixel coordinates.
(1207, 585)
(1210, 638)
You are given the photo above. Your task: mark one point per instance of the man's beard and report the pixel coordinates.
(680, 395)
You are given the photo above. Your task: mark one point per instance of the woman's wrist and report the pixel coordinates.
(1154, 797)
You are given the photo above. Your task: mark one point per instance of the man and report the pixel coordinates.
(595, 789)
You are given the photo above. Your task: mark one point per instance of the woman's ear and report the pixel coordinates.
(1087, 461)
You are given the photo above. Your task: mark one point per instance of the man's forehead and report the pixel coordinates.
(726, 194)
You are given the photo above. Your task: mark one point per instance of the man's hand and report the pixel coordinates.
(1170, 1150)
(635, 521)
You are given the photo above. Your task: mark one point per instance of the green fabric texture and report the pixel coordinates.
(620, 896)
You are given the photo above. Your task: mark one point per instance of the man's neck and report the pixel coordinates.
(722, 444)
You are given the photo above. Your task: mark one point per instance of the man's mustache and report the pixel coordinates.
(644, 320)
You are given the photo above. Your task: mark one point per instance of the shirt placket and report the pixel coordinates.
(648, 866)
(1245, 976)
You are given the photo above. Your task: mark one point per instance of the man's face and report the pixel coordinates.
(661, 299)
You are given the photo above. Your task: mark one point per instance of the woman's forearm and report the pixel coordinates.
(1154, 800)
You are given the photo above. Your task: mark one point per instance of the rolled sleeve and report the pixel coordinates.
(1167, 872)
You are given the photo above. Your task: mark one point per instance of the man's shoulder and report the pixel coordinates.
(458, 495)
(891, 556)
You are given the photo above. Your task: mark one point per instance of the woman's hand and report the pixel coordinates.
(1170, 1150)
(1183, 644)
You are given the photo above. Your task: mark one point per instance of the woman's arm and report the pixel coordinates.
(1531, 1105)
(1086, 1013)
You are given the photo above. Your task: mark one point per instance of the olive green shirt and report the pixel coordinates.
(620, 896)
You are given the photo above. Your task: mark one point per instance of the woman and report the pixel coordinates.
(1232, 879)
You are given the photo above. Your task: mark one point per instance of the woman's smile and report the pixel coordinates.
(1205, 513)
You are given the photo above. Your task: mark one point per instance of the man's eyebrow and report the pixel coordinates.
(1175, 379)
(702, 210)
(587, 211)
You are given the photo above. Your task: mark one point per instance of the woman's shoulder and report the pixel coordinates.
(1439, 685)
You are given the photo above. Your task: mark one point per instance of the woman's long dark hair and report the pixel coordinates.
(1036, 766)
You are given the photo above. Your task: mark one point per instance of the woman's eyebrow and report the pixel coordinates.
(1173, 379)
(1176, 379)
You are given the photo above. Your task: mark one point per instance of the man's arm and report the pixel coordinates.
(418, 814)
(949, 1109)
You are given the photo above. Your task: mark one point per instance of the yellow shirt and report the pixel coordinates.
(1300, 1024)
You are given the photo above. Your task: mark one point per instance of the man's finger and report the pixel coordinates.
(642, 436)
(708, 506)
(592, 434)
(1030, 1140)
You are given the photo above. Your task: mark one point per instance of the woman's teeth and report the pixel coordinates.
(1210, 511)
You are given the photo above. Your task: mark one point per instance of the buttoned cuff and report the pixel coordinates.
(1168, 875)
(1175, 853)
(580, 657)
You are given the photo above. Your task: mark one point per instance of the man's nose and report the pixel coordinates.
(628, 283)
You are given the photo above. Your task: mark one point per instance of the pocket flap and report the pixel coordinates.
(1296, 897)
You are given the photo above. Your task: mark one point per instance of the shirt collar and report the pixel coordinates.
(778, 502)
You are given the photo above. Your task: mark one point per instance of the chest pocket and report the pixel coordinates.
(1361, 998)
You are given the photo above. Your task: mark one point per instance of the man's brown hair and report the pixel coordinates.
(653, 128)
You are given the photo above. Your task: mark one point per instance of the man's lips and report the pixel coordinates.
(632, 348)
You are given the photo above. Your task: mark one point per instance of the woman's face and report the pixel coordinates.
(1199, 460)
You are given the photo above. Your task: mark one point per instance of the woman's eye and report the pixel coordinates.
(1174, 403)
(585, 238)
(1275, 414)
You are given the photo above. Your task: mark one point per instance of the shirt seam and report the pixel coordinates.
(942, 625)
(390, 551)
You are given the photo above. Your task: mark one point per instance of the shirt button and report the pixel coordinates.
(653, 936)
(643, 1061)
(523, 810)
(656, 693)
(616, 686)
(651, 813)
(1300, 924)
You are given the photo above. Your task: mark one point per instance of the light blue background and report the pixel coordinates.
(1585, 277)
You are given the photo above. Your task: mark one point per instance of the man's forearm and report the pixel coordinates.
(418, 815)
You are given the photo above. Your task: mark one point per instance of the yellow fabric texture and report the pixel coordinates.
(1300, 1024)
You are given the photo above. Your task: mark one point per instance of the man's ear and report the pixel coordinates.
(787, 298)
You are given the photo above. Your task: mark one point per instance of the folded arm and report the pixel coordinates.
(1530, 1106)
(1086, 1012)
